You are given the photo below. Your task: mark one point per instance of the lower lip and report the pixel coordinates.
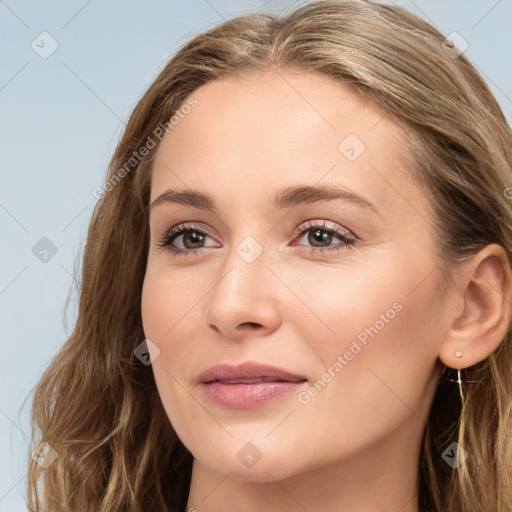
(247, 396)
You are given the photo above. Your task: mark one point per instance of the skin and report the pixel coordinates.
(354, 446)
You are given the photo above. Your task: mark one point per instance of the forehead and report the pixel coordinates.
(281, 128)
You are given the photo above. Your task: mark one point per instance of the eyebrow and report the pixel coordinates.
(284, 198)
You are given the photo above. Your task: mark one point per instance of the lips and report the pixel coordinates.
(249, 385)
(247, 373)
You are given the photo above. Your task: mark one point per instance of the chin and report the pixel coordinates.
(262, 472)
(260, 460)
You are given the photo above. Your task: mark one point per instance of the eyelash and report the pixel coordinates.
(181, 229)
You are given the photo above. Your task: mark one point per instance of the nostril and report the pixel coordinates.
(248, 324)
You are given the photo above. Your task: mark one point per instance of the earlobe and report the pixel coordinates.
(486, 285)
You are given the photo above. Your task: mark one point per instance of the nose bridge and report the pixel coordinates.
(243, 270)
(243, 294)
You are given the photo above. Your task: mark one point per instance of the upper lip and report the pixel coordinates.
(248, 370)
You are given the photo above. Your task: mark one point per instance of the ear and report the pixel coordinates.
(484, 286)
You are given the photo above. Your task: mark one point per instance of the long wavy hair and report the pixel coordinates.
(96, 405)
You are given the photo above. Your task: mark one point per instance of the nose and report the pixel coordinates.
(244, 300)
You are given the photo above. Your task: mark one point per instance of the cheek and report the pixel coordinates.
(378, 305)
(168, 323)
(351, 306)
(166, 306)
(382, 353)
(380, 333)
(171, 309)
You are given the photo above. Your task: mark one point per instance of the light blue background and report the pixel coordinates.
(60, 119)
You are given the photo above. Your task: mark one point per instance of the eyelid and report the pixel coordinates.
(193, 225)
(323, 224)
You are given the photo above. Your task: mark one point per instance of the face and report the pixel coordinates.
(336, 284)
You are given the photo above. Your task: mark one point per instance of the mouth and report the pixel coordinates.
(248, 385)
(247, 372)
(252, 381)
(248, 395)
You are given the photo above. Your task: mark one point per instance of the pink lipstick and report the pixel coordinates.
(248, 385)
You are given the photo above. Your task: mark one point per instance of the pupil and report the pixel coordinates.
(195, 237)
(319, 236)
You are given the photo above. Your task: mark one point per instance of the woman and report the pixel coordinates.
(296, 284)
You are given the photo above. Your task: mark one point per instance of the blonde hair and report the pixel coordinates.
(97, 405)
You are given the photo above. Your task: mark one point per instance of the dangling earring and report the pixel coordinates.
(459, 381)
(460, 385)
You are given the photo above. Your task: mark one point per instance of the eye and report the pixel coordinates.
(319, 235)
(192, 239)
